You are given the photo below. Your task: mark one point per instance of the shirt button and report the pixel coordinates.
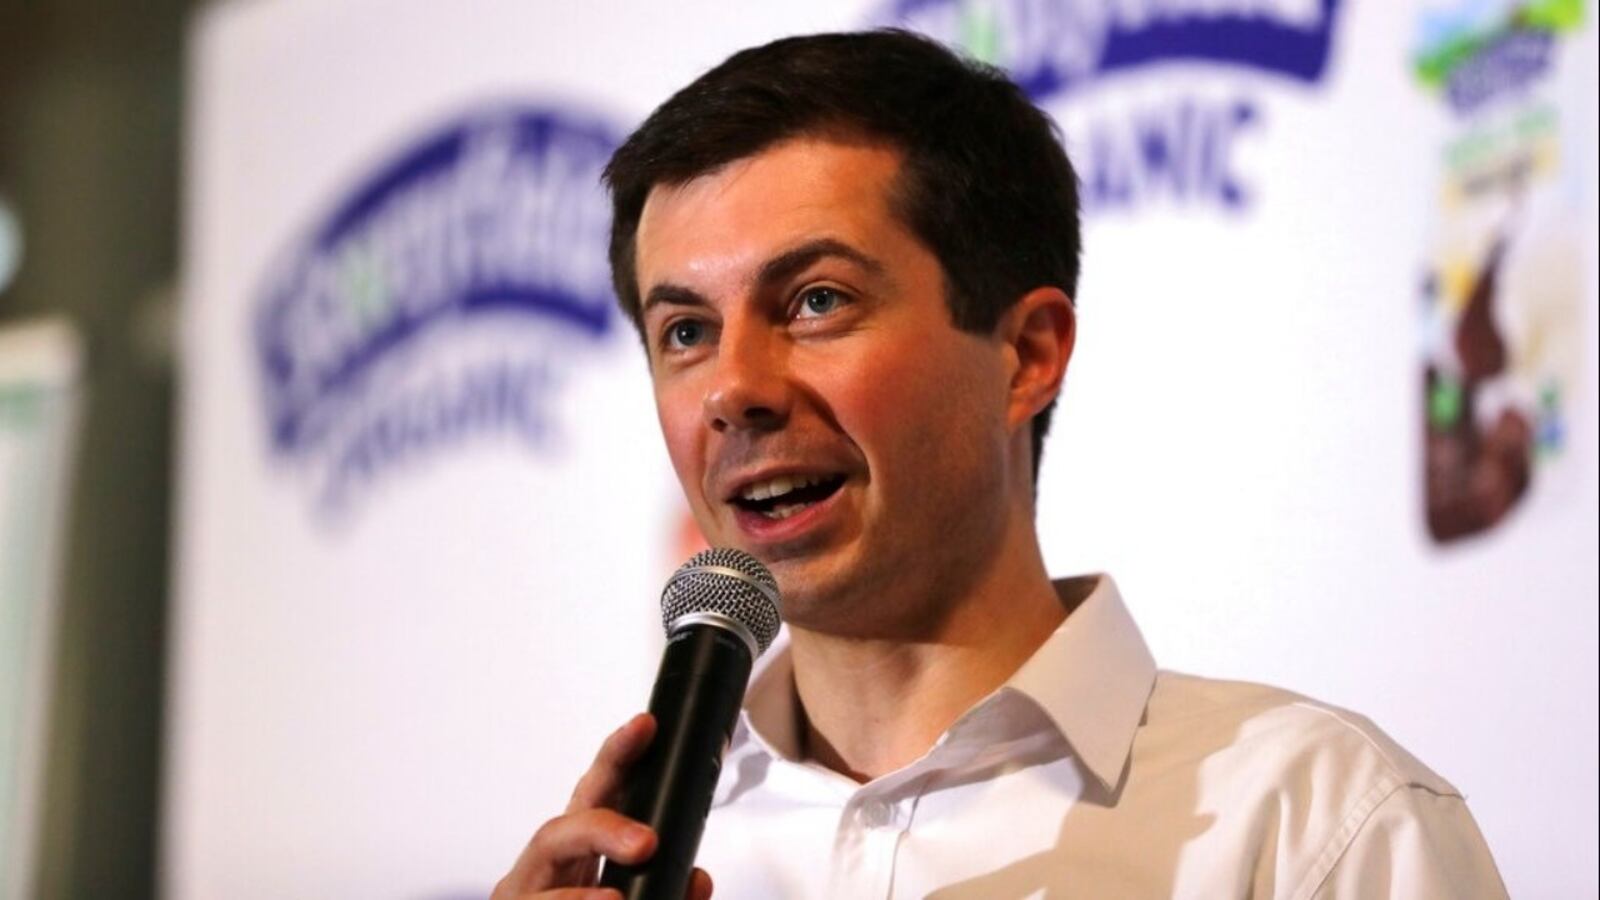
(876, 814)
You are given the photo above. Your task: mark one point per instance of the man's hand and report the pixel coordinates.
(562, 861)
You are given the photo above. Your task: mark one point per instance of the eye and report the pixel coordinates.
(684, 333)
(819, 301)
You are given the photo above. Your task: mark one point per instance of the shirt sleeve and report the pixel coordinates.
(1415, 843)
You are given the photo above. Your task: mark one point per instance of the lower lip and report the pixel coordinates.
(764, 530)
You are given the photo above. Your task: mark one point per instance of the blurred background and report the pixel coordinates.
(332, 509)
(91, 113)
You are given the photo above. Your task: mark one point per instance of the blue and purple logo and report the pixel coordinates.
(1476, 52)
(1174, 145)
(448, 295)
(1053, 47)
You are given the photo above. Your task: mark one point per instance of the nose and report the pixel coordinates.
(749, 387)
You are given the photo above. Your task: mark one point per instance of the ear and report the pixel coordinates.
(1038, 331)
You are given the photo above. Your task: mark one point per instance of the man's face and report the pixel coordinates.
(820, 409)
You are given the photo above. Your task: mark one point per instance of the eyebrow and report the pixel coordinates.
(778, 269)
(673, 295)
(792, 262)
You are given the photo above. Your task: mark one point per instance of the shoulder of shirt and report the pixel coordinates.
(1285, 730)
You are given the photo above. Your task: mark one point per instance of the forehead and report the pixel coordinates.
(725, 222)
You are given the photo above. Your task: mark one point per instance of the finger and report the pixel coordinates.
(593, 832)
(564, 852)
(599, 785)
(503, 891)
(699, 885)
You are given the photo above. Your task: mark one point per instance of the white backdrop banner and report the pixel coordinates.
(1332, 423)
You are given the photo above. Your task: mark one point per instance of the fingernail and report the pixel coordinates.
(637, 836)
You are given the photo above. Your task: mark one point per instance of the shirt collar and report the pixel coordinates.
(771, 705)
(1091, 678)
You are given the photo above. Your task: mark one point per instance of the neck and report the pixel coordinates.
(872, 706)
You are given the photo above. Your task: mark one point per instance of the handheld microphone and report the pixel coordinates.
(720, 610)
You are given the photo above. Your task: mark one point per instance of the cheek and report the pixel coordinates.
(863, 404)
(907, 406)
(681, 428)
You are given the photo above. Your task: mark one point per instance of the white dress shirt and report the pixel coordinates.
(1091, 774)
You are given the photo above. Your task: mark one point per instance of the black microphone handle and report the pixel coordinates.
(704, 671)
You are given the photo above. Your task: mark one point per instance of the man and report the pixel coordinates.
(852, 258)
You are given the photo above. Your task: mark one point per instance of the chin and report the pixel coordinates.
(839, 599)
(806, 588)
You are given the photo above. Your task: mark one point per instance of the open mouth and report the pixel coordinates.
(785, 495)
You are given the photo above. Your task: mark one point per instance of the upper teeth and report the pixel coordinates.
(777, 487)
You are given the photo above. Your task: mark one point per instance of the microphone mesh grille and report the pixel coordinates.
(739, 597)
